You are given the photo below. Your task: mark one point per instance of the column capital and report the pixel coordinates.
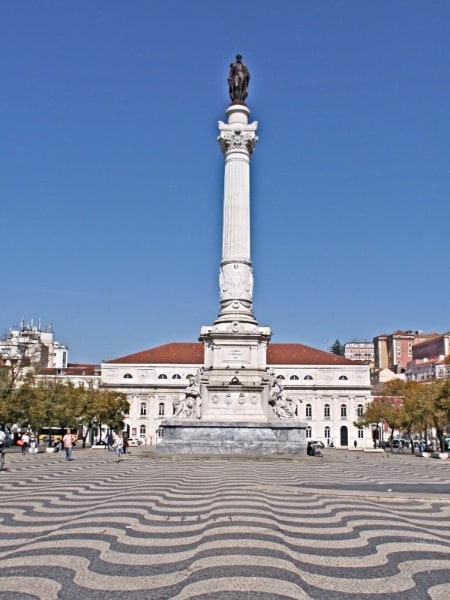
(237, 137)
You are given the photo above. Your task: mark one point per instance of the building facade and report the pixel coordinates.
(330, 391)
(395, 350)
(360, 351)
(431, 359)
(34, 347)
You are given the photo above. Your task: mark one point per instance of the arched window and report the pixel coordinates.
(293, 377)
(176, 376)
(128, 376)
(162, 376)
(143, 409)
(326, 433)
(161, 409)
(360, 410)
(142, 431)
(308, 411)
(343, 378)
(326, 411)
(280, 377)
(343, 411)
(308, 378)
(189, 376)
(309, 432)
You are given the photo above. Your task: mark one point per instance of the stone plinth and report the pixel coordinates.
(183, 436)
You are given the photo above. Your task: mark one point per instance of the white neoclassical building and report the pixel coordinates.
(331, 390)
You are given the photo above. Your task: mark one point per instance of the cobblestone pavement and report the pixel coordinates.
(351, 525)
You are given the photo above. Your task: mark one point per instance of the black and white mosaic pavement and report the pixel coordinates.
(347, 526)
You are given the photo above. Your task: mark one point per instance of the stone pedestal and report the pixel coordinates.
(216, 437)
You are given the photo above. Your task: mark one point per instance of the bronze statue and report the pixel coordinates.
(238, 80)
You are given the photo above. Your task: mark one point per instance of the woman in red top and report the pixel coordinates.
(68, 443)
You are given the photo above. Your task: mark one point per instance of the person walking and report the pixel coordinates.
(118, 445)
(33, 448)
(2, 449)
(110, 441)
(26, 440)
(68, 444)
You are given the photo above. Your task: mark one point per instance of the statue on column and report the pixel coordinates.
(238, 80)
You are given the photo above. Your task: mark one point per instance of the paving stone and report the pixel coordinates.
(348, 525)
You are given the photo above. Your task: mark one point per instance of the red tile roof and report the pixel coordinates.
(298, 354)
(277, 354)
(176, 353)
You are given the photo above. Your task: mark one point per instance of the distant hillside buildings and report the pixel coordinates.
(34, 347)
(413, 355)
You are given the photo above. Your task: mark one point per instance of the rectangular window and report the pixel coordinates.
(360, 434)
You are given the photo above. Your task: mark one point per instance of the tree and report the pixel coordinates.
(441, 409)
(97, 406)
(382, 410)
(412, 406)
(110, 408)
(10, 373)
(337, 348)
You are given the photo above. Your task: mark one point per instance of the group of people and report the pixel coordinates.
(28, 440)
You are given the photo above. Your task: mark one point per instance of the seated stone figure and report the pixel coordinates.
(185, 407)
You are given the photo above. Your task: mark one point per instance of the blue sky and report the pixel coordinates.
(111, 178)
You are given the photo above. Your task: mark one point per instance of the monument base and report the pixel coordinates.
(183, 436)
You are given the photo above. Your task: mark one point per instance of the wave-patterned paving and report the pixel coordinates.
(224, 528)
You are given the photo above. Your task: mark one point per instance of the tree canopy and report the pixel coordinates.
(412, 407)
(337, 348)
(39, 402)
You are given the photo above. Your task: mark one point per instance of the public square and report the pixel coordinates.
(349, 525)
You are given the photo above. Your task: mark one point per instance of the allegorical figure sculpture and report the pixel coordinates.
(238, 80)
(284, 407)
(192, 400)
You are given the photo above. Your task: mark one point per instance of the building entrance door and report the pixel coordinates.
(344, 435)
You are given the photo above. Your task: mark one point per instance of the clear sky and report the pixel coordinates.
(111, 178)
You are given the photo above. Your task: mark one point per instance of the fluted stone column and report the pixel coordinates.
(237, 140)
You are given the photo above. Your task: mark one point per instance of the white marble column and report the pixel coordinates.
(237, 140)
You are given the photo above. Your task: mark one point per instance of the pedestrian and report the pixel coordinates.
(26, 440)
(118, 445)
(110, 441)
(2, 449)
(67, 441)
(32, 442)
(355, 443)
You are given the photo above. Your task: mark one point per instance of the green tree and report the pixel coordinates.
(385, 409)
(337, 348)
(110, 408)
(11, 372)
